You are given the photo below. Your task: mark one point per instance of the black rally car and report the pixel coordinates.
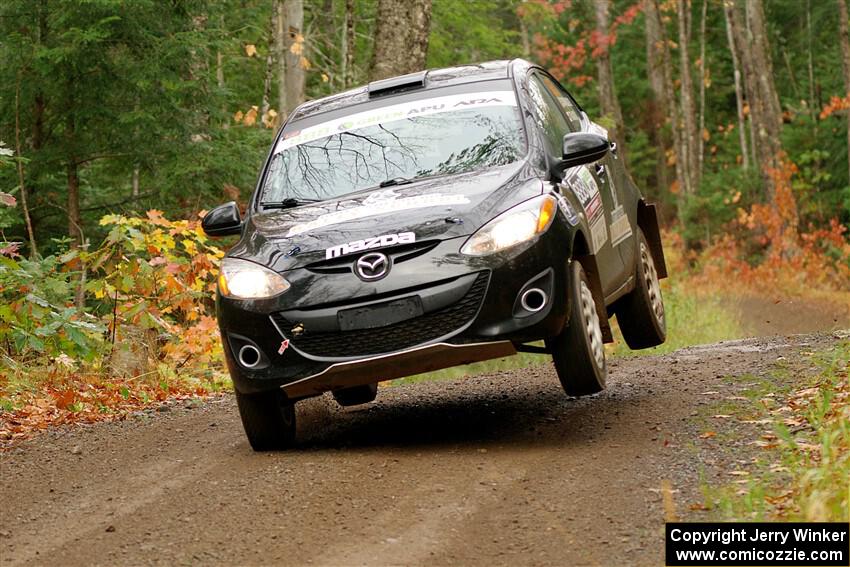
(426, 221)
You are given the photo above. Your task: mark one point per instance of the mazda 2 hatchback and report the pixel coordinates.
(426, 221)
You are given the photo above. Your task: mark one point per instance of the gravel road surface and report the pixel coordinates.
(499, 469)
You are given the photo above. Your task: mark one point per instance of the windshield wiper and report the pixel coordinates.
(395, 181)
(288, 203)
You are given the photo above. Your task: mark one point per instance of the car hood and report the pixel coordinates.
(432, 209)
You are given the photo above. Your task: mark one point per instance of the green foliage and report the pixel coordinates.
(473, 31)
(802, 475)
(709, 213)
(37, 311)
(149, 273)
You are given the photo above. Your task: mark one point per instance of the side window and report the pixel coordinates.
(549, 117)
(567, 105)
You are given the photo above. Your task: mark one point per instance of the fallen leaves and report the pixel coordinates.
(84, 399)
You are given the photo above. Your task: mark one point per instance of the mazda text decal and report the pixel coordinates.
(369, 243)
(383, 115)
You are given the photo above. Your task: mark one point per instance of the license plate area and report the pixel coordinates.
(380, 315)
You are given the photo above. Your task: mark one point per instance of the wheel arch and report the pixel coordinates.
(582, 254)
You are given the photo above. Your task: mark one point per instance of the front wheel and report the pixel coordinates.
(268, 419)
(578, 351)
(641, 313)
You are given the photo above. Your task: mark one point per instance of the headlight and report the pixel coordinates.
(512, 227)
(246, 280)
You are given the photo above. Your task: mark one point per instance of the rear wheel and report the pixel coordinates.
(356, 395)
(641, 313)
(268, 419)
(578, 351)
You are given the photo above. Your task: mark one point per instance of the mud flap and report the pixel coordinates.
(647, 218)
(590, 269)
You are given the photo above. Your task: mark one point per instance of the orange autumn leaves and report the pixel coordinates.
(147, 331)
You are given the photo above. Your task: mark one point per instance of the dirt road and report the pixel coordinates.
(496, 469)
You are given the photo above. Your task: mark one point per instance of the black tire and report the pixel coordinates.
(578, 351)
(268, 419)
(641, 313)
(356, 395)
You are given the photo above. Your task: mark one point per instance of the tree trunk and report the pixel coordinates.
(265, 106)
(660, 111)
(526, 44)
(280, 49)
(134, 190)
(290, 23)
(702, 80)
(607, 93)
(401, 38)
(764, 101)
(654, 19)
(21, 177)
(844, 37)
(811, 65)
(757, 68)
(739, 95)
(351, 43)
(689, 137)
(74, 226)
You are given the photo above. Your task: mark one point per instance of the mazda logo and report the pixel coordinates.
(372, 266)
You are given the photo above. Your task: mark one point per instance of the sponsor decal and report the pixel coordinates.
(283, 346)
(381, 205)
(620, 227)
(567, 209)
(586, 190)
(383, 115)
(599, 234)
(369, 243)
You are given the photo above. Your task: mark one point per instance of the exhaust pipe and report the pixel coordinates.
(533, 299)
(249, 356)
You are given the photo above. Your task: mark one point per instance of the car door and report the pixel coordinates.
(612, 179)
(589, 183)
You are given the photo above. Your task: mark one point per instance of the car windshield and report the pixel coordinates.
(395, 144)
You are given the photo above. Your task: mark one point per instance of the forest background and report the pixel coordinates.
(122, 122)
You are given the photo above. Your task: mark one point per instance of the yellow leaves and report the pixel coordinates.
(270, 118)
(112, 219)
(247, 118)
(706, 135)
(305, 63)
(297, 47)
(325, 78)
(250, 49)
(251, 116)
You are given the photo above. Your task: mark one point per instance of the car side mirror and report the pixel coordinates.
(581, 148)
(224, 220)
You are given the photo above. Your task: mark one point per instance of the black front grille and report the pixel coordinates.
(394, 337)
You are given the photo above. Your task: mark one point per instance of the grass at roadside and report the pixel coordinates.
(695, 315)
(804, 472)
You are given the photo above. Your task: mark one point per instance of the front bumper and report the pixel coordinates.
(470, 311)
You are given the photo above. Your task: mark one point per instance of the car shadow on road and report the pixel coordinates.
(480, 415)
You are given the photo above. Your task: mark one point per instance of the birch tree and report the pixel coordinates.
(401, 37)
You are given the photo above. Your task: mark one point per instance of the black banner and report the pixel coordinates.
(761, 544)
